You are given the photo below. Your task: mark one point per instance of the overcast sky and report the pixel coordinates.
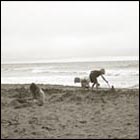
(58, 30)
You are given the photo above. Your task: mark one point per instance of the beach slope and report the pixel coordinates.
(69, 112)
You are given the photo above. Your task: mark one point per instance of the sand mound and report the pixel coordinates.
(65, 97)
(20, 103)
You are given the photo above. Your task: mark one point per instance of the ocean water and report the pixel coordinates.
(121, 74)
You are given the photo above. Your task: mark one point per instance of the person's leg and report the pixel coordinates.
(97, 84)
(93, 86)
(82, 84)
(94, 82)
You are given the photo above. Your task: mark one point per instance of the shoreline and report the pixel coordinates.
(70, 112)
(66, 86)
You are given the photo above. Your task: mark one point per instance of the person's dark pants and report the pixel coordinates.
(93, 80)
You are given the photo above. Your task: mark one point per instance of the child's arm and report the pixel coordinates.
(104, 79)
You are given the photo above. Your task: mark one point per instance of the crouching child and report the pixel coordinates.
(38, 94)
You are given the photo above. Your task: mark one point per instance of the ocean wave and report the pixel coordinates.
(42, 71)
(69, 80)
(122, 73)
(59, 72)
(132, 65)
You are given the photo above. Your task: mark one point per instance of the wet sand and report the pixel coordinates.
(69, 112)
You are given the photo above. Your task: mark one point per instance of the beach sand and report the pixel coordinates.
(69, 112)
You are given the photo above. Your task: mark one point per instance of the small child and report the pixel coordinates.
(38, 94)
(84, 81)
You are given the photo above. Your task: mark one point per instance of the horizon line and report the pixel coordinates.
(76, 60)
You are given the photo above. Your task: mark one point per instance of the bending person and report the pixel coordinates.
(93, 77)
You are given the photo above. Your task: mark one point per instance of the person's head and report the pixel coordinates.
(33, 87)
(102, 71)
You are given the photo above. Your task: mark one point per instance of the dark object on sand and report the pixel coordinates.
(76, 80)
(112, 88)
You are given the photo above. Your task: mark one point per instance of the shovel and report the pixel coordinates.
(111, 87)
(108, 85)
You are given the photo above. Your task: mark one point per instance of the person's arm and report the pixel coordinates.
(104, 78)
